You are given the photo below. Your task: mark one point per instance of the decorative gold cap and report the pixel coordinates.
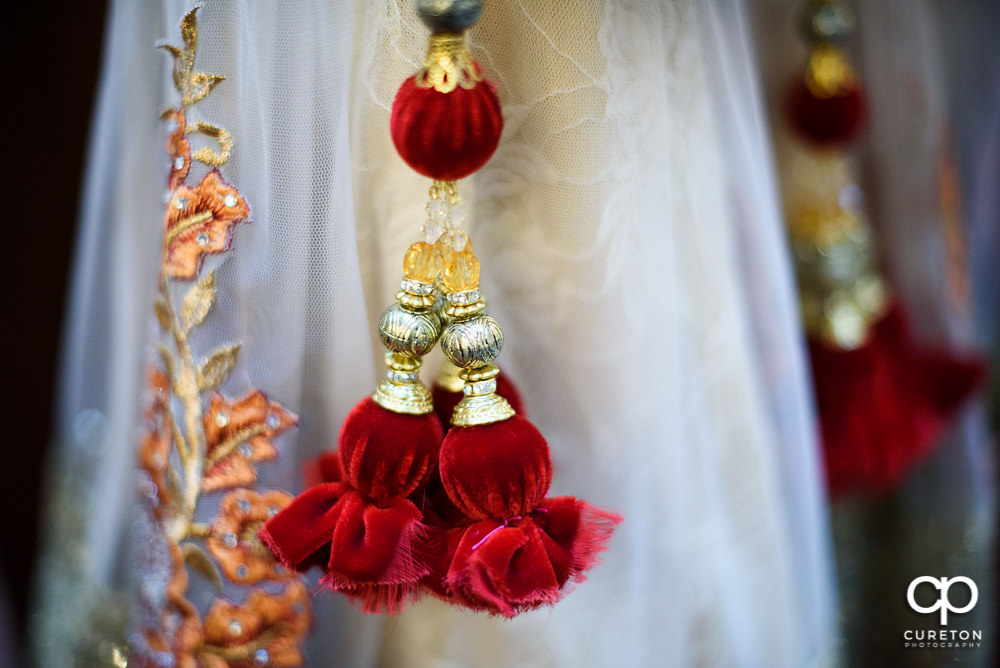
(481, 404)
(401, 391)
(448, 64)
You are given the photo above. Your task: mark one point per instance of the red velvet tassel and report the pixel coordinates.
(882, 406)
(357, 523)
(826, 121)
(518, 550)
(446, 136)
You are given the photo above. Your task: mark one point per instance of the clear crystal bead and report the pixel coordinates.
(181, 203)
(179, 162)
(456, 240)
(242, 571)
(246, 450)
(173, 125)
(261, 657)
(273, 421)
(230, 540)
(244, 506)
(235, 628)
(432, 231)
(202, 239)
(455, 219)
(229, 199)
(437, 209)
(221, 420)
(272, 510)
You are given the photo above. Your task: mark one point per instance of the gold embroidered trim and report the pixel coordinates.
(200, 441)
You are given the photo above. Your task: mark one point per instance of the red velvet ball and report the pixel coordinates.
(498, 470)
(824, 121)
(445, 401)
(446, 136)
(386, 454)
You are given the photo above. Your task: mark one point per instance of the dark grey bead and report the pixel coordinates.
(827, 21)
(449, 15)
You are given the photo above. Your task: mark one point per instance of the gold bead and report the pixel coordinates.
(460, 271)
(422, 262)
(472, 343)
(403, 330)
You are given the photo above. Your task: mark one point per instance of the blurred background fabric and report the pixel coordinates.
(633, 249)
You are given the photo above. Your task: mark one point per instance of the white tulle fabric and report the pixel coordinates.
(631, 250)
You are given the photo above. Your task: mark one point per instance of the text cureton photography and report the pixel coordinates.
(942, 638)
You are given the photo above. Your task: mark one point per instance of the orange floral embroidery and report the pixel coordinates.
(237, 435)
(178, 148)
(265, 629)
(154, 451)
(233, 539)
(199, 441)
(199, 221)
(153, 454)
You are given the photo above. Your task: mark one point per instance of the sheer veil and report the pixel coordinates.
(631, 247)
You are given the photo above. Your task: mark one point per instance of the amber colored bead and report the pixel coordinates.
(422, 262)
(460, 271)
(452, 242)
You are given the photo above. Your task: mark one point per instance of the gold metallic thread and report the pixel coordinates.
(185, 224)
(207, 155)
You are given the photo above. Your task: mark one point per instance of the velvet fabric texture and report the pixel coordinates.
(826, 121)
(882, 406)
(497, 470)
(357, 522)
(516, 550)
(523, 563)
(446, 136)
(445, 401)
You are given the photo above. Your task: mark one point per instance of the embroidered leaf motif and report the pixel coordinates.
(217, 367)
(162, 314)
(197, 302)
(199, 221)
(237, 435)
(199, 85)
(193, 86)
(198, 559)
